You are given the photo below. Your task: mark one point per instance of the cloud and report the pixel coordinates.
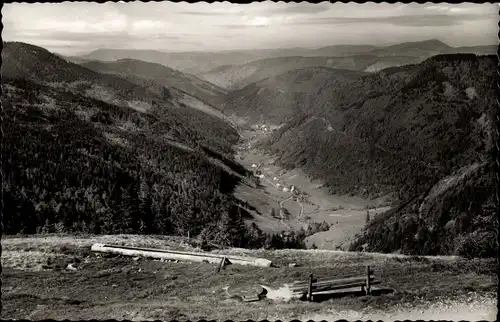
(243, 26)
(227, 26)
(435, 20)
(208, 13)
(264, 10)
(302, 9)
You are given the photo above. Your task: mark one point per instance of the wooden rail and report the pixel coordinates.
(314, 285)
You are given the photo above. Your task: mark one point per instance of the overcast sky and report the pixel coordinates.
(72, 27)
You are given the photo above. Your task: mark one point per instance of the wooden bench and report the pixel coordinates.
(314, 285)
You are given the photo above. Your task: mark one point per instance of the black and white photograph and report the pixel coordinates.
(258, 161)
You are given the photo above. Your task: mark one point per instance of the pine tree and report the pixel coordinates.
(146, 214)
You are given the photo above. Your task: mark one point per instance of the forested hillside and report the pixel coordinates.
(75, 163)
(26, 61)
(86, 165)
(102, 171)
(136, 69)
(401, 131)
(238, 76)
(457, 216)
(280, 98)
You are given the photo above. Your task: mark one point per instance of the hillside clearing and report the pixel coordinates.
(113, 287)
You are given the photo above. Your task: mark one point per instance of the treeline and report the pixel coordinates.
(255, 238)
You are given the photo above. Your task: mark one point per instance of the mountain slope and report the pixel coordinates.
(398, 131)
(132, 69)
(427, 48)
(237, 77)
(365, 57)
(456, 216)
(228, 68)
(189, 62)
(104, 166)
(391, 61)
(478, 50)
(73, 59)
(342, 50)
(279, 98)
(35, 63)
(417, 49)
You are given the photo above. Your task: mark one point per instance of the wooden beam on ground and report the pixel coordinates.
(179, 255)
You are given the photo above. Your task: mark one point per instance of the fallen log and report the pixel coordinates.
(179, 255)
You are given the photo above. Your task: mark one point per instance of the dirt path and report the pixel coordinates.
(464, 309)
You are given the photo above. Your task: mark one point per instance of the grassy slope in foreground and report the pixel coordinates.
(120, 288)
(401, 131)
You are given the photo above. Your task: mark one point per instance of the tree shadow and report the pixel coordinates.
(341, 294)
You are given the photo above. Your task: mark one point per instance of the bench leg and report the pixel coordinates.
(367, 289)
(368, 284)
(309, 290)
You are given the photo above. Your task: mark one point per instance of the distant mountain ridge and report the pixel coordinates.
(202, 62)
(239, 76)
(190, 84)
(189, 62)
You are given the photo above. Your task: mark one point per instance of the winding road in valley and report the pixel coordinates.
(345, 214)
(313, 203)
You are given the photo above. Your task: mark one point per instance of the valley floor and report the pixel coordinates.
(346, 214)
(112, 287)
